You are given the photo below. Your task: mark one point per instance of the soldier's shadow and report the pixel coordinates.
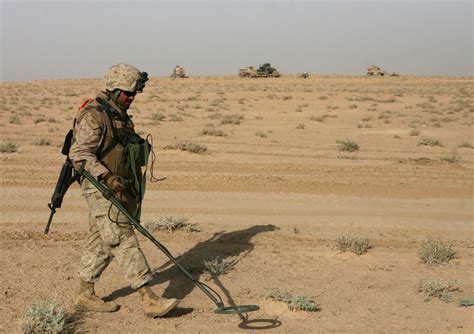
(231, 245)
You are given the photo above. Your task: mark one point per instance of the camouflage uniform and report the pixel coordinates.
(107, 239)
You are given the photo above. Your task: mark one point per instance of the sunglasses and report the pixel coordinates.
(129, 93)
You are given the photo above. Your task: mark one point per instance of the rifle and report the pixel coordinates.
(64, 181)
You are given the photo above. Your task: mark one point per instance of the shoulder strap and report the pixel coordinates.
(110, 113)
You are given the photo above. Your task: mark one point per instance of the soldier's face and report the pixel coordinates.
(125, 99)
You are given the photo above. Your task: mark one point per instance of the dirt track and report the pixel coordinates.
(274, 194)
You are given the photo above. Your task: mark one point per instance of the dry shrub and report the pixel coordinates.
(46, 316)
(435, 251)
(357, 245)
(434, 288)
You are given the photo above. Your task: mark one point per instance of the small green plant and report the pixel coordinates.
(41, 142)
(232, 119)
(47, 316)
(8, 147)
(357, 245)
(466, 302)
(175, 118)
(157, 116)
(302, 303)
(294, 303)
(414, 132)
(39, 119)
(434, 251)
(213, 132)
(261, 134)
(434, 288)
(451, 158)
(317, 118)
(426, 141)
(347, 145)
(466, 144)
(187, 146)
(14, 120)
(171, 224)
(218, 266)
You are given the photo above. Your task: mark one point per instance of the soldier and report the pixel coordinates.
(103, 136)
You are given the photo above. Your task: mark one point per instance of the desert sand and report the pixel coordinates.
(272, 193)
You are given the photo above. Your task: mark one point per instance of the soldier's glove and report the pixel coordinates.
(114, 182)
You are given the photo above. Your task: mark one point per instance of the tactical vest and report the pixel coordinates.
(120, 149)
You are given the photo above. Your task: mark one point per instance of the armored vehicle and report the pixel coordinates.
(247, 72)
(266, 70)
(375, 71)
(178, 72)
(263, 71)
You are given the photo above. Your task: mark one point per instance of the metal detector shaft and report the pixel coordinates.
(108, 194)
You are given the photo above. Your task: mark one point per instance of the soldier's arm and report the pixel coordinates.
(87, 139)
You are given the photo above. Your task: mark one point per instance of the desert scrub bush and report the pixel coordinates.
(434, 251)
(41, 142)
(426, 141)
(232, 119)
(414, 132)
(171, 224)
(451, 158)
(366, 119)
(357, 245)
(347, 145)
(434, 288)
(466, 302)
(323, 97)
(364, 125)
(187, 146)
(14, 120)
(213, 132)
(465, 144)
(317, 118)
(39, 119)
(47, 316)
(51, 120)
(8, 147)
(157, 116)
(300, 126)
(353, 106)
(261, 134)
(218, 266)
(294, 303)
(175, 118)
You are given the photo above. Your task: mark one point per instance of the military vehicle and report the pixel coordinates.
(247, 72)
(178, 72)
(263, 71)
(375, 71)
(304, 75)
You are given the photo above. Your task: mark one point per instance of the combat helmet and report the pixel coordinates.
(125, 77)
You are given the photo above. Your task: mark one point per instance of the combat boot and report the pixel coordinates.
(155, 306)
(87, 300)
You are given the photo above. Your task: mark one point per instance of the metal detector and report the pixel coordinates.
(214, 296)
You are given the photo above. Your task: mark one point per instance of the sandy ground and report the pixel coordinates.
(274, 194)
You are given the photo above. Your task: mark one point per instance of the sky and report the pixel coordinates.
(73, 39)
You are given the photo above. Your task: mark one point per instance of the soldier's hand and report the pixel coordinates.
(114, 182)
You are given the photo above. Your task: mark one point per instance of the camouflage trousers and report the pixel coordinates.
(108, 240)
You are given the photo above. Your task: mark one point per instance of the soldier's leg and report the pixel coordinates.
(137, 271)
(131, 258)
(96, 256)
